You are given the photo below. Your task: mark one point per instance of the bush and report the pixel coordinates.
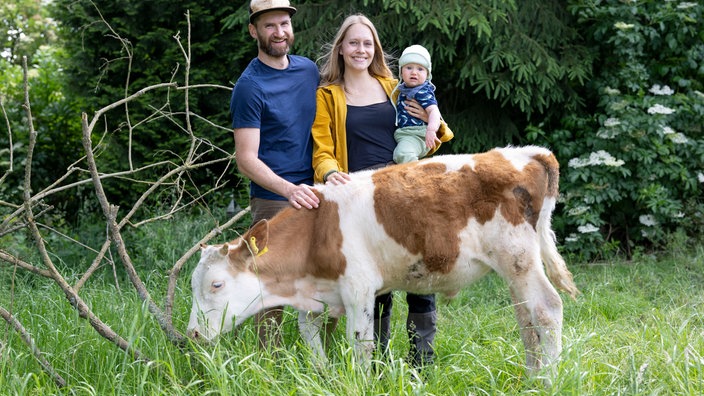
(633, 170)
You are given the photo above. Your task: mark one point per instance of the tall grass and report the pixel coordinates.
(637, 329)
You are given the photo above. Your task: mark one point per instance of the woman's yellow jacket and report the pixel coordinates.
(330, 134)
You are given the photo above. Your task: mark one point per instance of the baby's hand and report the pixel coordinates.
(431, 138)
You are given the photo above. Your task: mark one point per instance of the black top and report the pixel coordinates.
(370, 135)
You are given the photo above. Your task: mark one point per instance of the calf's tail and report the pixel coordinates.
(555, 266)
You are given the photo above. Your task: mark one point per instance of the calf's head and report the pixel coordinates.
(226, 290)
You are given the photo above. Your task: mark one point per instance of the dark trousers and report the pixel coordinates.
(269, 320)
(417, 303)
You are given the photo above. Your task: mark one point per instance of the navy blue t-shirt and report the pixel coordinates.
(281, 104)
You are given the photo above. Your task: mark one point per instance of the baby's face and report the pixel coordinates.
(413, 74)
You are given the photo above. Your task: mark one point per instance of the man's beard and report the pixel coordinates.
(275, 52)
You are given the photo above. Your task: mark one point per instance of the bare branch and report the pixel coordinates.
(16, 221)
(83, 310)
(153, 188)
(9, 135)
(174, 176)
(9, 258)
(110, 212)
(32, 141)
(98, 114)
(96, 263)
(27, 339)
(194, 86)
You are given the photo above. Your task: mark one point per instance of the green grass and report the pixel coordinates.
(637, 329)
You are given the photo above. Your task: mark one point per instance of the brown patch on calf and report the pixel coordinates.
(300, 243)
(423, 207)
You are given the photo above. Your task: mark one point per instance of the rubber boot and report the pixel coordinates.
(421, 334)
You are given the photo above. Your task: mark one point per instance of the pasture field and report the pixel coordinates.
(637, 329)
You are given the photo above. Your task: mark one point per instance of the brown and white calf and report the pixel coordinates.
(435, 225)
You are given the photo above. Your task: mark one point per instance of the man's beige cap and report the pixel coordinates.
(258, 7)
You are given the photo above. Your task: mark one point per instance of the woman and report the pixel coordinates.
(354, 130)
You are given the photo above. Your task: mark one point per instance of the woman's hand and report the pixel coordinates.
(416, 110)
(337, 178)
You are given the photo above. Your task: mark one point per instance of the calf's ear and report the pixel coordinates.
(257, 238)
(224, 249)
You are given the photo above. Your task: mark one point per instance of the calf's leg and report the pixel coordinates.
(539, 313)
(360, 326)
(310, 325)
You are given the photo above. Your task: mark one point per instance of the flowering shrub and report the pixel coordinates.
(633, 168)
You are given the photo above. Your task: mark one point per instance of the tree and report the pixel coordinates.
(120, 47)
(28, 234)
(632, 159)
(29, 33)
(25, 26)
(498, 65)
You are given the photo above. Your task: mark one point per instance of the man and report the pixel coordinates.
(273, 108)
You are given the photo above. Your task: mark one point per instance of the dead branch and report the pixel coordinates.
(176, 269)
(72, 296)
(27, 339)
(94, 266)
(6, 257)
(110, 213)
(11, 148)
(176, 177)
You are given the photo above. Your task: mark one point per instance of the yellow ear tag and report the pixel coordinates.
(255, 249)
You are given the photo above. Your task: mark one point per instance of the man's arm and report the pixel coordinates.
(248, 162)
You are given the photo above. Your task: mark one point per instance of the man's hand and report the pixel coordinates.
(302, 195)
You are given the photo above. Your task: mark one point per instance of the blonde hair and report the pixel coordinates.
(332, 68)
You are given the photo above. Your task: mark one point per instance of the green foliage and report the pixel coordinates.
(496, 64)
(26, 31)
(25, 26)
(507, 73)
(55, 116)
(121, 47)
(635, 162)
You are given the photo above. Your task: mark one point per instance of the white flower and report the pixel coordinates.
(588, 228)
(578, 210)
(667, 130)
(647, 220)
(607, 133)
(660, 109)
(664, 90)
(620, 105)
(572, 238)
(611, 91)
(611, 122)
(577, 163)
(678, 138)
(623, 25)
(700, 177)
(683, 6)
(601, 157)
